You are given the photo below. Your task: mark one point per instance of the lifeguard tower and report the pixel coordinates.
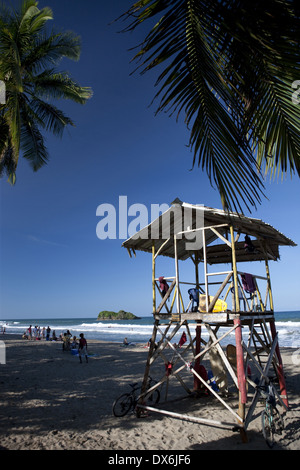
(226, 309)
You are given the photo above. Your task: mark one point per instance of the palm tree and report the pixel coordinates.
(29, 55)
(229, 66)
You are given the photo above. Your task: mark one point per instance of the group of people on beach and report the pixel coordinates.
(66, 338)
(80, 345)
(38, 333)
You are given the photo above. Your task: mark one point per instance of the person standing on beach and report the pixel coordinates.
(82, 348)
(48, 333)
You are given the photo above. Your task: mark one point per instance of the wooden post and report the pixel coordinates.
(197, 383)
(234, 269)
(148, 363)
(205, 269)
(241, 375)
(196, 262)
(240, 361)
(269, 285)
(283, 391)
(153, 279)
(177, 275)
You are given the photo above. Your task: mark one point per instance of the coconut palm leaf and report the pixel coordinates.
(50, 117)
(33, 146)
(29, 56)
(50, 84)
(48, 51)
(228, 67)
(268, 64)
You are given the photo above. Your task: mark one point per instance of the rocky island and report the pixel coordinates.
(121, 315)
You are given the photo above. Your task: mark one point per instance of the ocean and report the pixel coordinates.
(140, 331)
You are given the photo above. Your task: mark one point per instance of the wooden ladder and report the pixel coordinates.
(262, 343)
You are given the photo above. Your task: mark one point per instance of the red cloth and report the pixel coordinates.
(248, 283)
(198, 385)
(169, 367)
(182, 339)
(164, 287)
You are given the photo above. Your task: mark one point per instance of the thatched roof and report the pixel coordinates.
(182, 216)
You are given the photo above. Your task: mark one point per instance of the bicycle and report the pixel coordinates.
(128, 401)
(271, 419)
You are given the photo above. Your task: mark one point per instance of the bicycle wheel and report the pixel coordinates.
(122, 405)
(267, 428)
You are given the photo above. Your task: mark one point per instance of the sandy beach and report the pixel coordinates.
(49, 401)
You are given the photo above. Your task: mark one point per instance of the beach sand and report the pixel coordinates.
(49, 401)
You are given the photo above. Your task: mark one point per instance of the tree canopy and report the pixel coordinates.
(29, 56)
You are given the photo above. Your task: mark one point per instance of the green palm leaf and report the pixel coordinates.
(50, 117)
(33, 145)
(28, 59)
(49, 50)
(50, 84)
(228, 68)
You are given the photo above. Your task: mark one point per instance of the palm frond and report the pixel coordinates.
(268, 63)
(224, 65)
(56, 85)
(32, 143)
(50, 50)
(28, 57)
(32, 19)
(50, 117)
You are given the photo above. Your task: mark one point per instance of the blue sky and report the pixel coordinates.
(52, 263)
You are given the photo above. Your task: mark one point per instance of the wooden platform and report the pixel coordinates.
(222, 319)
